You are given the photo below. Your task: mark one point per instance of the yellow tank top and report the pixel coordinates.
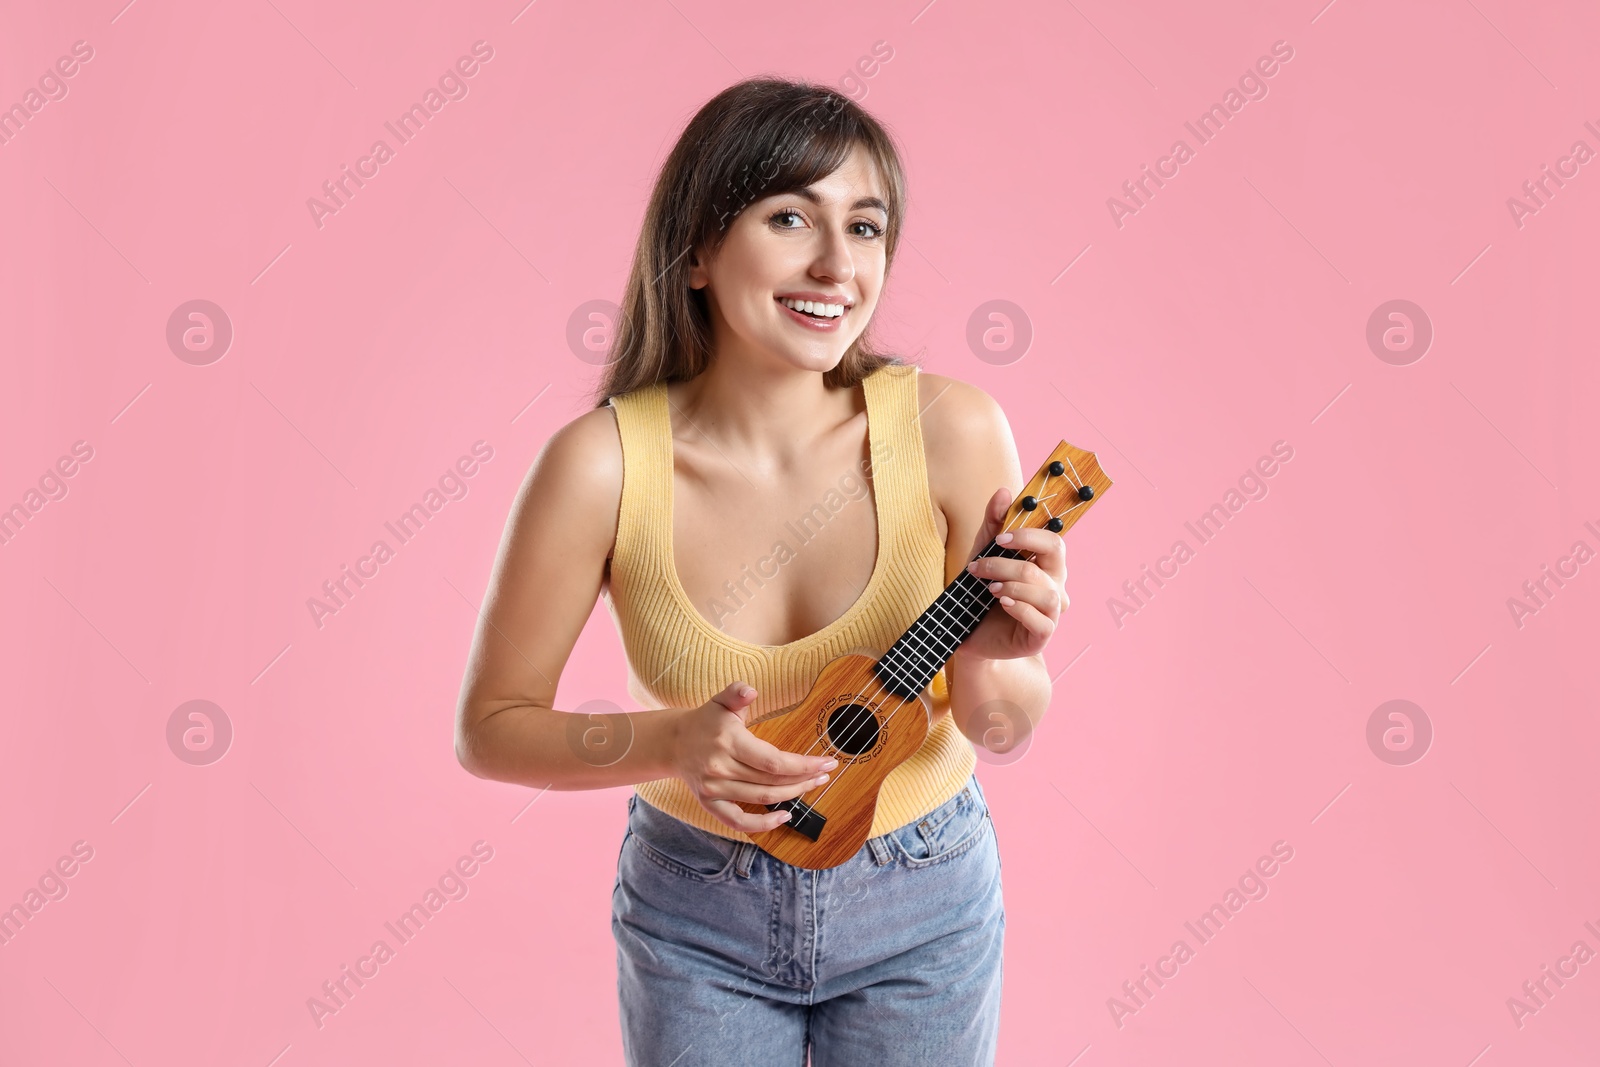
(679, 659)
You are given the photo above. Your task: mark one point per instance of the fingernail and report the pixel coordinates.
(829, 764)
(973, 566)
(819, 779)
(783, 817)
(1002, 539)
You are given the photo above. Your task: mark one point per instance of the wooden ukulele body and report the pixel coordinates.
(846, 715)
(857, 712)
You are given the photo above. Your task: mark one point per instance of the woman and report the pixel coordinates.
(714, 498)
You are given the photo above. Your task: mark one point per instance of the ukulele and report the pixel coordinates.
(871, 713)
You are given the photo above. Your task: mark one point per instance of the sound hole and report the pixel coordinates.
(853, 729)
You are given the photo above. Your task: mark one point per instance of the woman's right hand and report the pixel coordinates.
(723, 763)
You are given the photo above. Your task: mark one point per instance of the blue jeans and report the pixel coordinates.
(727, 956)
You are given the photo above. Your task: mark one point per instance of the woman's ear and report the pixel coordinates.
(697, 272)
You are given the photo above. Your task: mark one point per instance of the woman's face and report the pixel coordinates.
(824, 244)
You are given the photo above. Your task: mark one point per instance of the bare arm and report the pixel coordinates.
(971, 453)
(542, 590)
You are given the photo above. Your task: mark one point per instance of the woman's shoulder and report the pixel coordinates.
(578, 471)
(956, 415)
(588, 444)
(970, 453)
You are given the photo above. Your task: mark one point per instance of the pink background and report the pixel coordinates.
(1230, 312)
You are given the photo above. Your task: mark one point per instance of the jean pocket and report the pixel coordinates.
(948, 831)
(675, 846)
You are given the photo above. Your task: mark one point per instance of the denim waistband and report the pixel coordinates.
(881, 848)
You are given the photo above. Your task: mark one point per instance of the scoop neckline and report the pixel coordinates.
(675, 583)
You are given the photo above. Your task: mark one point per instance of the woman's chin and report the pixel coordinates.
(817, 358)
(820, 362)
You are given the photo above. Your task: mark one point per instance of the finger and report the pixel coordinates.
(1047, 598)
(733, 815)
(1003, 569)
(736, 696)
(1043, 543)
(756, 793)
(999, 504)
(745, 773)
(1031, 618)
(768, 758)
(1048, 549)
(994, 517)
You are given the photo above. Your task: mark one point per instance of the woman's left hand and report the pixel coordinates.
(1032, 593)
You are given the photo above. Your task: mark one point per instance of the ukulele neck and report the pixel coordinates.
(927, 645)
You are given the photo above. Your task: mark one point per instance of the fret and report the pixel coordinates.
(909, 666)
(872, 712)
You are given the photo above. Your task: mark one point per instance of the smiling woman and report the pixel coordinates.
(782, 148)
(743, 382)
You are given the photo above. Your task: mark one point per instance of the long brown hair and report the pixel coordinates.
(757, 138)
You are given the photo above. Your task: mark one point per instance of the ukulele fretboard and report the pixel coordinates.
(912, 661)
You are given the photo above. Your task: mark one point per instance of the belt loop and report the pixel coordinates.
(743, 854)
(880, 851)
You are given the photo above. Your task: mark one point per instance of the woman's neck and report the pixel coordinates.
(768, 411)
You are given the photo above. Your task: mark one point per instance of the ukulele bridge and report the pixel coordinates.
(802, 817)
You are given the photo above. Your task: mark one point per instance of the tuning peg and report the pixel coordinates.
(1057, 469)
(1054, 525)
(1028, 503)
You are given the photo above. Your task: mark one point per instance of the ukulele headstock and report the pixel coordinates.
(1064, 489)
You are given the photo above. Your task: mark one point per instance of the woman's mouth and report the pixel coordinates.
(823, 317)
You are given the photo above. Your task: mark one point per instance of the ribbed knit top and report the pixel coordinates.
(678, 659)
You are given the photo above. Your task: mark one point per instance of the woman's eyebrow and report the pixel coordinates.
(863, 202)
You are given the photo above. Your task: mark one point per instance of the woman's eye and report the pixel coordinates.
(874, 231)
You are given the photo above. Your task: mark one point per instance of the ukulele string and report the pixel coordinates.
(882, 689)
(866, 720)
(984, 554)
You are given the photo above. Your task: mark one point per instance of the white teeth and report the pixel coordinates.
(827, 311)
